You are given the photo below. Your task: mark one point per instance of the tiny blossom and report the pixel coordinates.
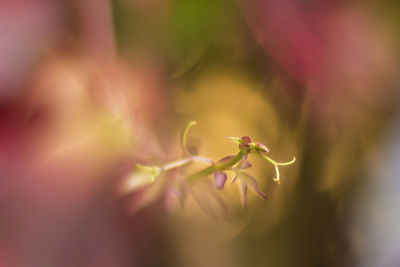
(169, 180)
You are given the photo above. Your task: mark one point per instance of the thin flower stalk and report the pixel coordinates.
(237, 163)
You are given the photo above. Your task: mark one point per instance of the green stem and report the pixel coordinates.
(215, 167)
(202, 173)
(233, 161)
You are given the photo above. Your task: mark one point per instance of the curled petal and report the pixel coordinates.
(276, 165)
(286, 163)
(184, 136)
(219, 180)
(277, 177)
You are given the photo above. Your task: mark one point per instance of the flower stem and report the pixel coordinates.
(175, 164)
(215, 167)
(184, 161)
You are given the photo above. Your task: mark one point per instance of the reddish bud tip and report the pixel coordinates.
(246, 140)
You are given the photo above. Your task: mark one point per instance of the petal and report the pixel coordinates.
(145, 198)
(179, 189)
(203, 203)
(219, 180)
(244, 164)
(234, 179)
(212, 204)
(172, 197)
(243, 191)
(226, 159)
(218, 200)
(252, 182)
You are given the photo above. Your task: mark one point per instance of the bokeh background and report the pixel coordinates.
(88, 88)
